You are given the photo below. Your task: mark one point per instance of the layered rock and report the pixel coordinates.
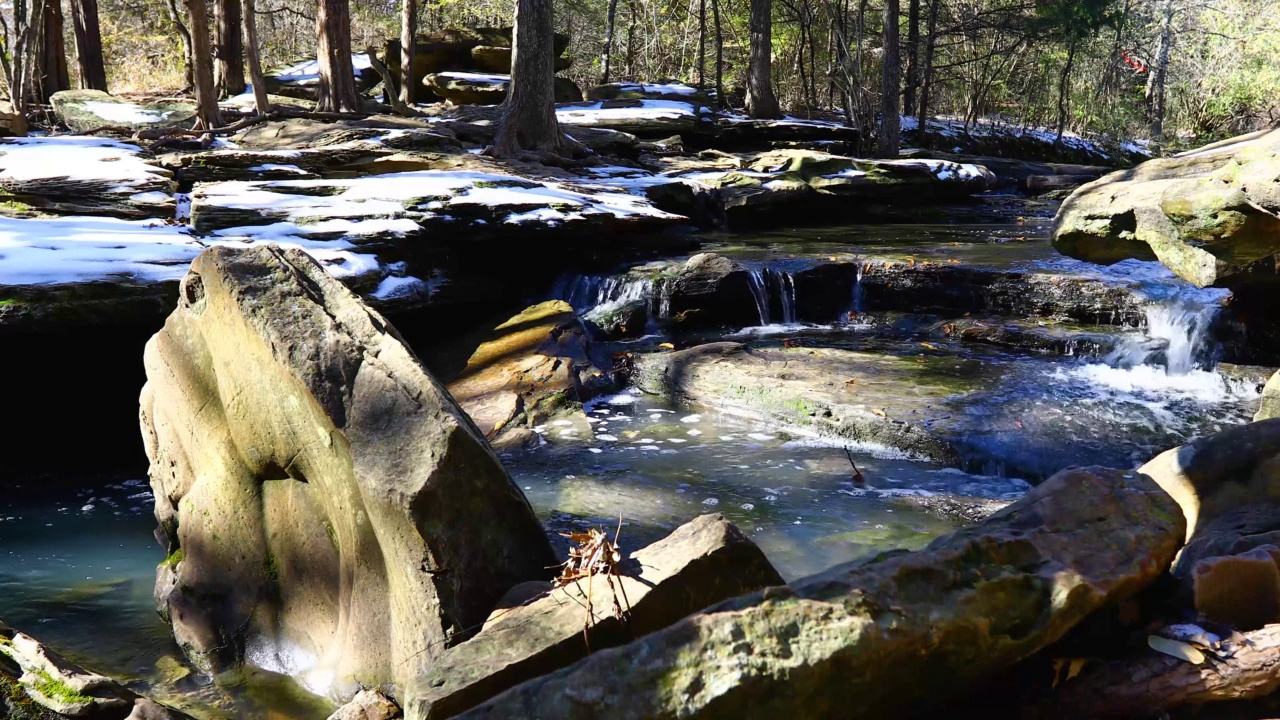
(487, 49)
(854, 641)
(470, 88)
(36, 683)
(85, 110)
(669, 90)
(703, 562)
(1208, 215)
(82, 175)
(327, 506)
(527, 369)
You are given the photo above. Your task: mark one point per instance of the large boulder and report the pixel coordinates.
(84, 110)
(669, 90)
(467, 48)
(37, 683)
(470, 88)
(856, 640)
(703, 562)
(527, 369)
(1210, 215)
(1270, 405)
(82, 176)
(328, 509)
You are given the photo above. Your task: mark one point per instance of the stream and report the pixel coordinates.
(78, 569)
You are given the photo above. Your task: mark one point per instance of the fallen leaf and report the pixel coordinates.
(931, 346)
(1175, 648)
(878, 411)
(667, 346)
(851, 382)
(953, 261)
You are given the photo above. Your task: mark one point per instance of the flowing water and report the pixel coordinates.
(77, 569)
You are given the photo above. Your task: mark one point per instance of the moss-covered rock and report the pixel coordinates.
(83, 110)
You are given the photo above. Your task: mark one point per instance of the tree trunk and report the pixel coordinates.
(702, 43)
(1156, 80)
(337, 87)
(202, 68)
(528, 122)
(1064, 90)
(84, 20)
(408, 33)
(610, 24)
(175, 15)
(761, 102)
(715, 15)
(250, 20)
(228, 68)
(891, 84)
(53, 61)
(926, 77)
(913, 58)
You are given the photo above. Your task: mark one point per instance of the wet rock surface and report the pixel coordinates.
(703, 562)
(860, 634)
(295, 441)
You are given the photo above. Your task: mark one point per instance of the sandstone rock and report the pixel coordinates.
(1210, 215)
(37, 683)
(856, 640)
(367, 705)
(83, 110)
(669, 90)
(709, 290)
(322, 496)
(1241, 591)
(703, 562)
(1270, 406)
(643, 118)
(528, 368)
(82, 176)
(1236, 470)
(488, 58)
(454, 49)
(468, 88)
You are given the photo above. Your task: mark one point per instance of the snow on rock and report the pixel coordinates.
(84, 110)
(638, 117)
(307, 72)
(84, 175)
(995, 136)
(396, 204)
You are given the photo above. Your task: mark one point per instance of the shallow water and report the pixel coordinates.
(76, 570)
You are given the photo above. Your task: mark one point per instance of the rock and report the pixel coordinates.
(367, 705)
(527, 369)
(302, 79)
(84, 110)
(1270, 406)
(488, 58)
(454, 49)
(82, 175)
(854, 641)
(1240, 591)
(998, 139)
(1210, 215)
(13, 124)
(1216, 477)
(453, 207)
(469, 88)
(1014, 173)
(37, 683)
(1041, 184)
(669, 90)
(703, 562)
(738, 132)
(321, 495)
(642, 118)
(709, 290)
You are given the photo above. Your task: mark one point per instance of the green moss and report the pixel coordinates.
(5, 302)
(55, 689)
(174, 558)
(272, 567)
(332, 533)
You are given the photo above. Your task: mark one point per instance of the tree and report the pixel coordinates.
(337, 87)
(260, 100)
(610, 25)
(228, 67)
(84, 22)
(175, 15)
(528, 122)
(408, 31)
(20, 58)
(891, 84)
(913, 59)
(761, 102)
(53, 62)
(1156, 79)
(201, 67)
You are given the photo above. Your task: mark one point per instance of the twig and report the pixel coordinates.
(857, 474)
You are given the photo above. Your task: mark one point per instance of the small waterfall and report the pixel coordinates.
(856, 302)
(592, 293)
(787, 291)
(760, 292)
(1177, 336)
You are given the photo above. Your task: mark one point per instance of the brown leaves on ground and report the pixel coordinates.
(591, 553)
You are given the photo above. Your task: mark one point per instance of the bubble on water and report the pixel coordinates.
(677, 441)
(770, 498)
(648, 447)
(797, 522)
(562, 423)
(86, 508)
(694, 432)
(711, 501)
(761, 437)
(646, 441)
(727, 438)
(691, 419)
(747, 506)
(595, 451)
(607, 438)
(655, 418)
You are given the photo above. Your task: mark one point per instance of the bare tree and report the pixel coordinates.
(1156, 80)
(228, 67)
(528, 124)
(761, 102)
(715, 15)
(337, 90)
(88, 33)
(175, 15)
(202, 70)
(408, 31)
(913, 59)
(610, 25)
(250, 21)
(20, 58)
(53, 61)
(891, 85)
